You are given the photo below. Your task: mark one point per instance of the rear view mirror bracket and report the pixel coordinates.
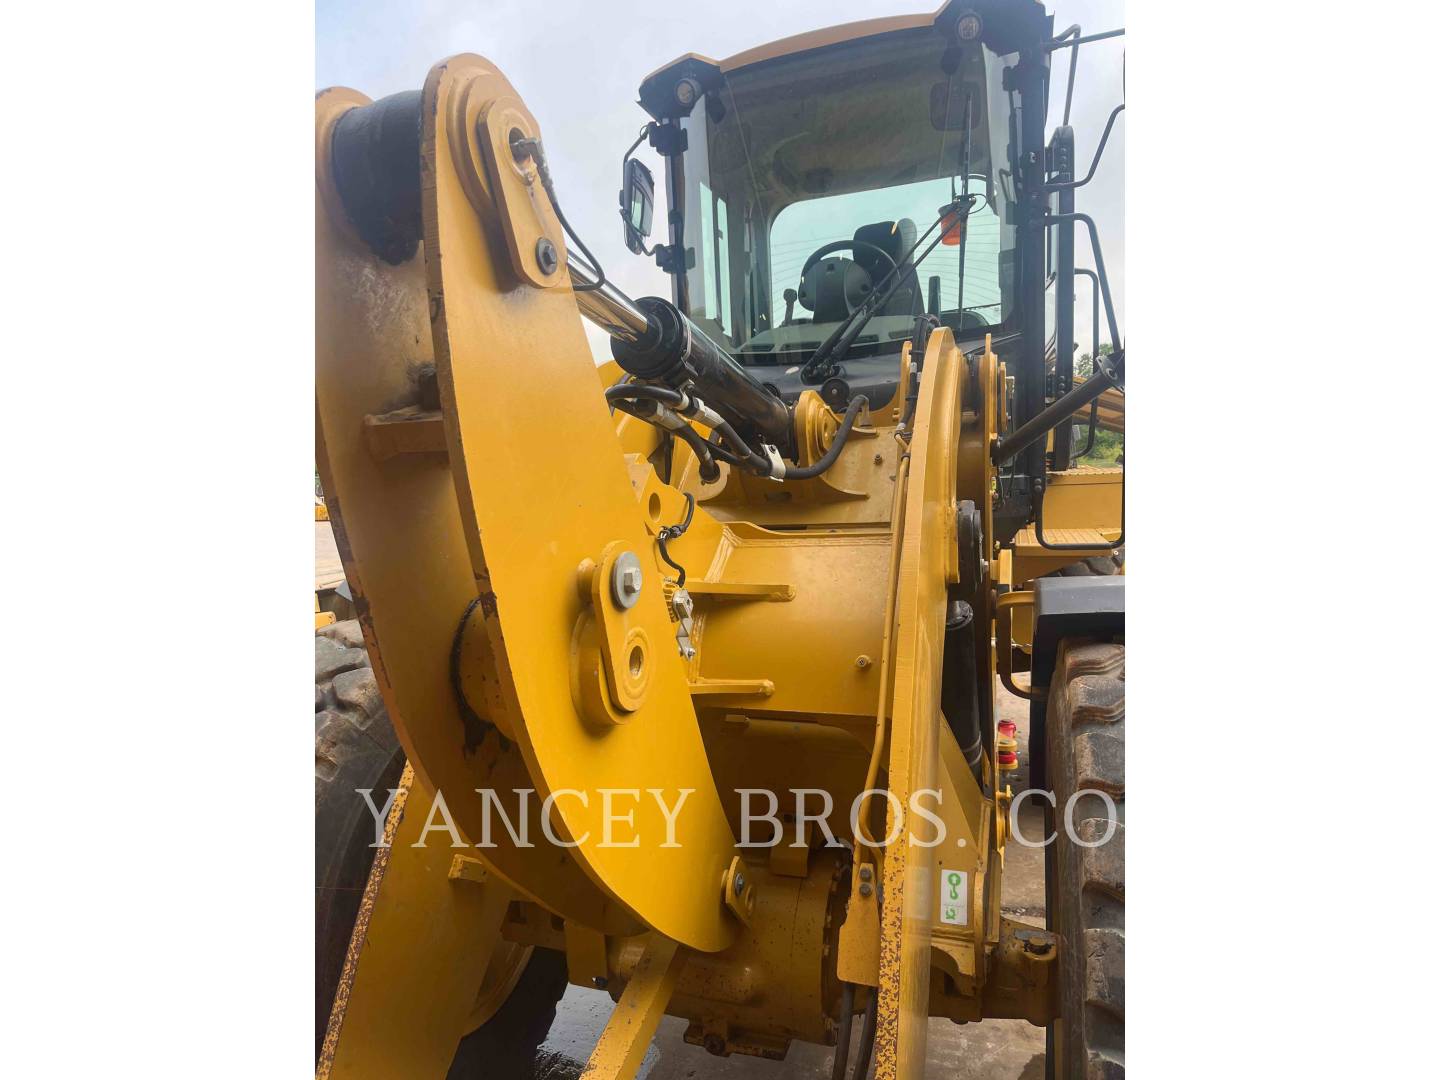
(637, 198)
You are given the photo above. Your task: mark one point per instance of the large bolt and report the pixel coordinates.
(1035, 942)
(739, 883)
(546, 256)
(626, 579)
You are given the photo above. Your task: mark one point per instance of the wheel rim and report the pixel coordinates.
(507, 963)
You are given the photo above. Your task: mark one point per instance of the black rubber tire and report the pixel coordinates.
(1085, 886)
(356, 747)
(1094, 566)
(507, 1043)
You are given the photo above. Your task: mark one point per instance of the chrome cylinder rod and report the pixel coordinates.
(658, 343)
(609, 308)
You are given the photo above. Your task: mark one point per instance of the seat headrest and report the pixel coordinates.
(895, 238)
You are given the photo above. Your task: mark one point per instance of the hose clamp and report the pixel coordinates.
(777, 463)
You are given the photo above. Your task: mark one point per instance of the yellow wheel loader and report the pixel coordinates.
(676, 678)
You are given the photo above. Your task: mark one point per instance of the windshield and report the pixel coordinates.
(793, 160)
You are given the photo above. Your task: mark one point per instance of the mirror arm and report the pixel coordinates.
(631, 233)
(639, 240)
(644, 134)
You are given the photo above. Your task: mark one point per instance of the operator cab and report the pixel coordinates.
(804, 173)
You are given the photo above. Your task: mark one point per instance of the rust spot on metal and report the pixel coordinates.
(362, 927)
(887, 1016)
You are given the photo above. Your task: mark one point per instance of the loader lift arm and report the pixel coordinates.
(633, 601)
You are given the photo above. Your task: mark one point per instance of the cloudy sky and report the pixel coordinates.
(578, 64)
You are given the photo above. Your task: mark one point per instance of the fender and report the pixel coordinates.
(1067, 607)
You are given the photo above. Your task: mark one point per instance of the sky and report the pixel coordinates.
(578, 65)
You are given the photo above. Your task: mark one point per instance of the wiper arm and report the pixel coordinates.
(832, 350)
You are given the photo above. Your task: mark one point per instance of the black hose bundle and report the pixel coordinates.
(731, 448)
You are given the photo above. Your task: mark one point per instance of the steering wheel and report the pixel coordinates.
(841, 245)
(831, 295)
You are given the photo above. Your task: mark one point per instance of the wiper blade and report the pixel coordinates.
(832, 349)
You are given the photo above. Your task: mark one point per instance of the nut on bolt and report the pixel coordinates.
(626, 579)
(546, 256)
(737, 892)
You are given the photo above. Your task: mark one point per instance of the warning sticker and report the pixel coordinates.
(954, 897)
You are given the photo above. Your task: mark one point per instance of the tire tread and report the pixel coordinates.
(1085, 745)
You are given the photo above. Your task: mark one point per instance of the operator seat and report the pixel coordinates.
(896, 239)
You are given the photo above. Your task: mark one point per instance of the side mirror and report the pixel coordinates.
(637, 204)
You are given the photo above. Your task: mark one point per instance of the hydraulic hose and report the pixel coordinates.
(836, 444)
(634, 391)
(734, 449)
(709, 471)
(724, 454)
(757, 463)
(677, 353)
(664, 403)
(867, 1037)
(842, 1038)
